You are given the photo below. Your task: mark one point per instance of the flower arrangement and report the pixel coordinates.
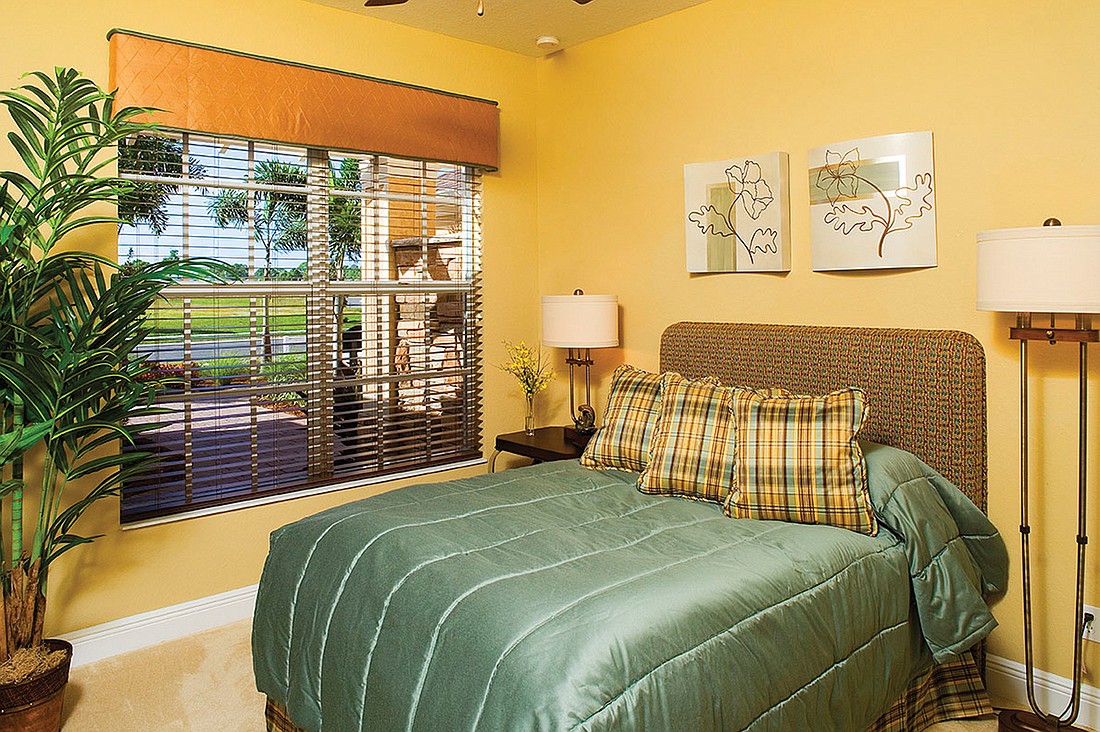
(531, 371)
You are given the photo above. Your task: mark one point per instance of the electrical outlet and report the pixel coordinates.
(1092, 631)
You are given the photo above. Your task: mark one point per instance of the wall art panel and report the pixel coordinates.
(872, 203)
(737, 214)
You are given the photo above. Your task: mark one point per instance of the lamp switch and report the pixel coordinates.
(1090, 630)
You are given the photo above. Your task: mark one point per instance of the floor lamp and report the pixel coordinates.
(580, 323)
(1047, 270)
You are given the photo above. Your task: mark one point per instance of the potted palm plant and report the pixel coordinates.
(70, 377)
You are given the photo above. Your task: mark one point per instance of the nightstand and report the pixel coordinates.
(546, 445)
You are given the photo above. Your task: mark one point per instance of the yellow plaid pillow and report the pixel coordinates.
(691, 453)
(798, 459)
(633, 406)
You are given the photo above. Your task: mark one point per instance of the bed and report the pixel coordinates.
(559, 597)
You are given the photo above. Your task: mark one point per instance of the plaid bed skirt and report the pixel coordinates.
(952, 690)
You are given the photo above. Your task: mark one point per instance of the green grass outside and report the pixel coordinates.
(232, 315)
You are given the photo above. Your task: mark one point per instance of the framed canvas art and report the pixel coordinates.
(737, 215)
(872, 203)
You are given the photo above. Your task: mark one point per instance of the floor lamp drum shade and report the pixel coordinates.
(580, 321)
(1050, 269)
(1040, 269)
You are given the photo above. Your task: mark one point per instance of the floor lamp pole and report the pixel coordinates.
(1038, 720)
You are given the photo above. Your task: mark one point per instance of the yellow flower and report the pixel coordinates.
(527, 366)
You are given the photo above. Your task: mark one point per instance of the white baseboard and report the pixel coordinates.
(157, 626)
(1006, 679)
(1007, 683)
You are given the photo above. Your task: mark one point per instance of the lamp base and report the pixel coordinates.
(1017, 720)
(584, 421)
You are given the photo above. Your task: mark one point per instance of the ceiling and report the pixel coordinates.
(515, 25)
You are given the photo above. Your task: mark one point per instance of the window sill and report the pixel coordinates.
(263, 501)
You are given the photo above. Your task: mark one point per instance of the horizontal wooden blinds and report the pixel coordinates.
(347, 345)
(202, 89)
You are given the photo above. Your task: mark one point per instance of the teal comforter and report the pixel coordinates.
(554, 597)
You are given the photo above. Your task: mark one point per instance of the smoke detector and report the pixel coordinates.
(547, 43)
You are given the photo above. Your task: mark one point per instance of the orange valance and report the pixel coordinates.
(211, 90)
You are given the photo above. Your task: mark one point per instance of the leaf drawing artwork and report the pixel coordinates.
(872, 203)
(737, 215)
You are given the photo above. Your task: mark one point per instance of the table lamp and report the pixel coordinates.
(1050, 270)
(580, 323)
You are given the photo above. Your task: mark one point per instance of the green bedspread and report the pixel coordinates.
(554, 597)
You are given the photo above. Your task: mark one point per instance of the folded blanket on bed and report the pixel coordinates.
(554, 597)
(955, 553)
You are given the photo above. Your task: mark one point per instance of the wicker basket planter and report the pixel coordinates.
(34, 705)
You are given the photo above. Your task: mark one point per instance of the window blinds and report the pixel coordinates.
(348, 346)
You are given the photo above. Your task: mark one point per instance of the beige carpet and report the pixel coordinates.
(201, 683)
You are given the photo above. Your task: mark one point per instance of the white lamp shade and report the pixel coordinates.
(580, 321)
(1040, 269)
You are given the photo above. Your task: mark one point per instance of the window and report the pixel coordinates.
(347, 346)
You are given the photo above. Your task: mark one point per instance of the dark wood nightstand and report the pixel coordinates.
(546, 445)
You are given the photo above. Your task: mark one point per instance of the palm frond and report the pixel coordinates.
(71, 323)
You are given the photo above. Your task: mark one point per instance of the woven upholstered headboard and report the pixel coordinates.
(925, 388)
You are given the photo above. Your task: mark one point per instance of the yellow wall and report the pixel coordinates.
(1009, 90)
(590, 195)
(139, 570)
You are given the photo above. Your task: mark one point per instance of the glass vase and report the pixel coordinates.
(529, 416)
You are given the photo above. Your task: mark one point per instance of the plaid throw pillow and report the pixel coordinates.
(633, 405)
(692, 451)
(798, 459)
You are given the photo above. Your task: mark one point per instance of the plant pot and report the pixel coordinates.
(34, 705)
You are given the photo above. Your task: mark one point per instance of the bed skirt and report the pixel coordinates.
(952, 690)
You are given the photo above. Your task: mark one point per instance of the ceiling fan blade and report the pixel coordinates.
(381, 3)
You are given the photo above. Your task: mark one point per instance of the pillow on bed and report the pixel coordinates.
(691, 453)
(633, 406)
(798, 459)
